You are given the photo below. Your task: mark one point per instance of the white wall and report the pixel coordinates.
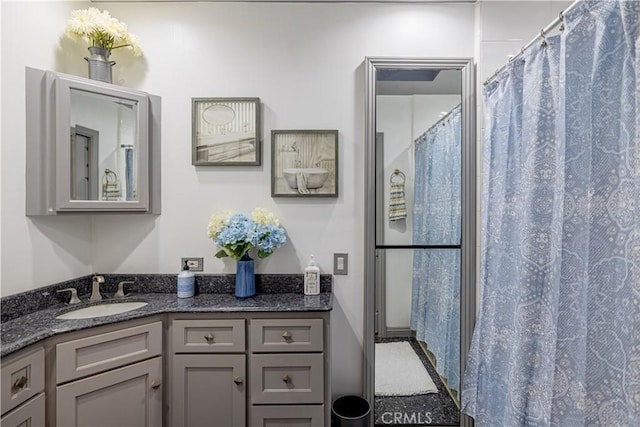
(305, 62)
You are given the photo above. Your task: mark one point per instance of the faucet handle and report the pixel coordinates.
(120, 291)
(74, 295)
(95, 288)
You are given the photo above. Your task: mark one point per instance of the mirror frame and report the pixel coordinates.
(63, 86)
(468, 251)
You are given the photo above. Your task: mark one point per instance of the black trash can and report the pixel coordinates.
(350, 411)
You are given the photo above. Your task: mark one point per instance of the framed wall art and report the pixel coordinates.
(226, 132)
(304, 163)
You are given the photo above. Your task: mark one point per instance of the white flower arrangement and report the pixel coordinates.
(100, 29)
(237, 233)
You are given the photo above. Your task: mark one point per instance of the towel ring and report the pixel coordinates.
(397, 173)
(109, 177)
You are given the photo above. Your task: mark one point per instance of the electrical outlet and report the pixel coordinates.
(195, 264)
(340, 264)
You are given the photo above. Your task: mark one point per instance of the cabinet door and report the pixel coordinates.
(126, 397)
(208, 390)
(30, 414)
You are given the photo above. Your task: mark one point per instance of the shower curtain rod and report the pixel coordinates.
(440, 120)
(542, 35)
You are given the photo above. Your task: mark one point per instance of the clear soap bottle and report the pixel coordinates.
(312, 278)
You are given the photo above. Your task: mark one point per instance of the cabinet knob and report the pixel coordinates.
(19, 384)
(209, 338)
(238, 380)
(286, 378)
(286, 335)
(155, 384)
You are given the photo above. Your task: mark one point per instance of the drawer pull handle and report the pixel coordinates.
(155, 385)
(286, 378)
(209, 338)
(286, 335)
(238, 380)
(19, 384)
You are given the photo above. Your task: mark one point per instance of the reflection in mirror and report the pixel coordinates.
(103, 147)
(416, 137)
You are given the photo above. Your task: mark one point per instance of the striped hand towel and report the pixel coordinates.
(397, 205)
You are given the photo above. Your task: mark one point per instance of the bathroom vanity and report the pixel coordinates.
(208, 360)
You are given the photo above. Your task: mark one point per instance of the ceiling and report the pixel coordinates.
(447, 82)
(285, 1)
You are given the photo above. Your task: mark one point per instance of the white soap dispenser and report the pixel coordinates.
(186, 282)
(312, 278)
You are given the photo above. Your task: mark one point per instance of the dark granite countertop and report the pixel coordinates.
(34, 325)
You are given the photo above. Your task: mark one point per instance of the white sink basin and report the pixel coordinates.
(101, 310)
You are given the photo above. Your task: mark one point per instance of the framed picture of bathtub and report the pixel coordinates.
(226, 132)
(304, 163)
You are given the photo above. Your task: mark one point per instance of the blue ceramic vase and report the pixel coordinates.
(245, 278)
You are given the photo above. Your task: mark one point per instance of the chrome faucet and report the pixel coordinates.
(95, 289)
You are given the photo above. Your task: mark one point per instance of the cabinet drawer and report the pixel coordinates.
(87, 356)
(208, 336)
(286, 335)
(287, 378)
(31, 414)
(286, 416)
(22, 377)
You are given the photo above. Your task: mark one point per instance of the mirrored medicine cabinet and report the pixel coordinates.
(92, 147)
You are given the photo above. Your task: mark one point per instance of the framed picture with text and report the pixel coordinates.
(226, 132)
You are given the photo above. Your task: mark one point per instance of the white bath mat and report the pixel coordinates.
(400, 372)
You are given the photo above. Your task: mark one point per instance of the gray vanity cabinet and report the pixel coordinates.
(111, 379)
(258, 369)
(208, 372)
(22, 388)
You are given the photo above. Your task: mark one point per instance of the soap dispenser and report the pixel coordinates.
(186, 282)
(312, 278)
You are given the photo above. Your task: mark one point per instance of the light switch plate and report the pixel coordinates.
(340, 264)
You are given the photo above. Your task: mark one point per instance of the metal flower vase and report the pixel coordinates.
(99, 64)
(245, 278)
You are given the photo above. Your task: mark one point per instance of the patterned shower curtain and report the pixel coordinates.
(557, 340)
(435, 311)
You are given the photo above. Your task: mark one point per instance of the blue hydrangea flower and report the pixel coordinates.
(240, 233)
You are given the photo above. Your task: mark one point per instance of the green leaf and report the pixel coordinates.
(221, 254)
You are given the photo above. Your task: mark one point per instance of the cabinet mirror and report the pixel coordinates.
(104, 144)
(420, 238)
(98, 143)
